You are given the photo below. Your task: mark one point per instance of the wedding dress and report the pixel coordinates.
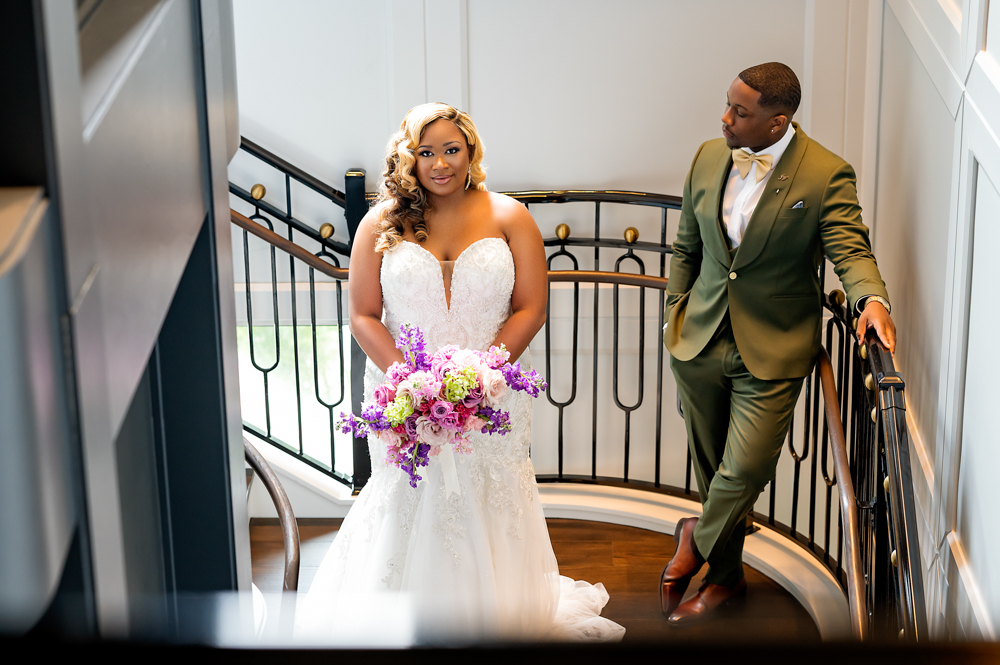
(476, 564)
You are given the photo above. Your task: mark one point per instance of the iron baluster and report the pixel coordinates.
(641, 356)
(548, 353)
(658, 442)
(597, 293)
(274, 304)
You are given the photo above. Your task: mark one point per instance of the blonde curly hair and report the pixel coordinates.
(404, 197)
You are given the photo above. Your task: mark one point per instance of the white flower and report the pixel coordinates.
(494, 388)
(465, 358)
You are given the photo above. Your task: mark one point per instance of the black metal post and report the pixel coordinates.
(356, 206)
(354, 210)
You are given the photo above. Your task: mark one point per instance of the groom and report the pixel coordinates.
(762, 206)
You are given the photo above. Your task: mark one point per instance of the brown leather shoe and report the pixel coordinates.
(684, 565)
(710, 598)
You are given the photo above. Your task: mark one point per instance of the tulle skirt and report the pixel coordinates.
(464, 566)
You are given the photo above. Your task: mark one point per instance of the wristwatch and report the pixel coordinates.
(879, 299)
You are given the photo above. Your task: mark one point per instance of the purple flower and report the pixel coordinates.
(410, 424)
(474, 397)
(414, 458)
(497, 421)
(375, 416)
(531, 383)
(440, 409)
(411, 343)
(349, 424)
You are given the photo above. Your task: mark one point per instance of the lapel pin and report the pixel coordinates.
(777, 191)
(782, 177)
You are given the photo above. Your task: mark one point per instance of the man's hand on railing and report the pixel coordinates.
(875, 316)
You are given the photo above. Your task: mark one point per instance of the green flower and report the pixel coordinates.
(399, 410)
(457, 384)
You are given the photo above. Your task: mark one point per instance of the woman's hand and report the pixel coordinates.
(365, 301)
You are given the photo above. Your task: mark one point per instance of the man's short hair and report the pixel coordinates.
(777, 84)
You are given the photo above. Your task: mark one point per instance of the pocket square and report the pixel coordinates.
(798, 205)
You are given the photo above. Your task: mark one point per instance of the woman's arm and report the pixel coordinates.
(531, 277)
(365, 299)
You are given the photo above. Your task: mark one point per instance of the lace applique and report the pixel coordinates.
(449, 521)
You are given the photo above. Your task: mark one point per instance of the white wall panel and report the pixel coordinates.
(992, 45)
(312, 82)
(913, 201)
(978, 488)
(611, 95)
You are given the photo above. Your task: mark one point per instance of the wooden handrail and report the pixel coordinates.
(848, 503)
(286, 245)
(603, 277)
(289, 527)
(597, 195)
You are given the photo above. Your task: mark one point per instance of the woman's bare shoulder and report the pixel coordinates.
(510, 214)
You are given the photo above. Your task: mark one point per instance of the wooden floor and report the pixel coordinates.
(626, 559)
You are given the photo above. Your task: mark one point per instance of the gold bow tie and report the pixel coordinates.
(744, 160)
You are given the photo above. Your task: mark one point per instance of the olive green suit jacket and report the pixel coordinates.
(771, 286)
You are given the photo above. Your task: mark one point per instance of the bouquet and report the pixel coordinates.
(430, 403)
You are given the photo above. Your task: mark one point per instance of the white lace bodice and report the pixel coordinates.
(481, 285)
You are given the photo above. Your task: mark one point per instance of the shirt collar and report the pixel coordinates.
(778, 149)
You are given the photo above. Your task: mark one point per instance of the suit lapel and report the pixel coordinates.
(771, 201)
(719, 248)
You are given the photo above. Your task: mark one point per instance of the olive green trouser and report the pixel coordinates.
(736, 425)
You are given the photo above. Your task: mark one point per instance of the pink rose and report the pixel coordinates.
(494, 387)
(397, 372)
(431, 433)
(389, 437)
(452, 420)
(440, 368)
(441, 361)
(474, 424)
(384, 394)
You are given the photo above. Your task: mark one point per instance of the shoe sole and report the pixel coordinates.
(736, 602)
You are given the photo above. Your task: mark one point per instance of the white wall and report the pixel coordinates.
(937, 206)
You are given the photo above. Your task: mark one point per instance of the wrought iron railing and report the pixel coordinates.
(593, 440)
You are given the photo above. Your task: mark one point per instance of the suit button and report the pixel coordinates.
(732, 275)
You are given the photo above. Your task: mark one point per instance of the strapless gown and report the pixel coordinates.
(477, 564)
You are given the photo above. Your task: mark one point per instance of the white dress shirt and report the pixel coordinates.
(742, 194)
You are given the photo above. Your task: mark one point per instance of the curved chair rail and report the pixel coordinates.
(289, 528)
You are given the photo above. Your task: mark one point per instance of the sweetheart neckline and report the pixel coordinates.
(460, 254)
(446, 292)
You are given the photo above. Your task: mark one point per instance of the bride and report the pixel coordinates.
(468, 267)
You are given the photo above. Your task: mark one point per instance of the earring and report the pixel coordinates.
(468, 179)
